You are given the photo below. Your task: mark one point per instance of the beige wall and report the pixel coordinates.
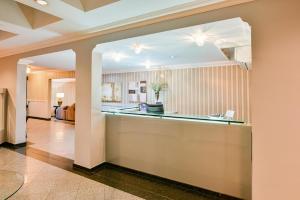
(8, 74)
(273, 85)
(38, 83)
(195, 91)
(39, 91)
(207, 155)
(37, 86)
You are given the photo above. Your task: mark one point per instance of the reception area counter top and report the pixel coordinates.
(207, 153)
(133, 111)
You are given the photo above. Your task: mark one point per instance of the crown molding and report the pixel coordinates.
(124, 25)
(25, 62)
(174, 67)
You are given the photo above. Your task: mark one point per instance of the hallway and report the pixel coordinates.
(55, 137)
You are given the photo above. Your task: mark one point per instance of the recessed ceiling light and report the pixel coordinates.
(118, 56)
(147, 64)
(42, 2)
(138, 48)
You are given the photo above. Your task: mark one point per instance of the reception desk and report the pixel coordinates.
(213, 154)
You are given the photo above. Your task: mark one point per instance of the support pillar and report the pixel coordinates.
(90, 122)
(19, 135)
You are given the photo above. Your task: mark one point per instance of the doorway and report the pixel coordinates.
(50, 103)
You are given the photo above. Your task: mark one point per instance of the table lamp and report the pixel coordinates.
(59, 97)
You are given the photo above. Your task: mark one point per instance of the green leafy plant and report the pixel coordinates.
(157, 87)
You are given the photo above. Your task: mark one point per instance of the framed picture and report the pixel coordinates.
(111, 92)
(133, 91)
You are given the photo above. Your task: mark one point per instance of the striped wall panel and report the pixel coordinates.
(195, 91)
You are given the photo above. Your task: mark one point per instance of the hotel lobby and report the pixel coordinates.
(186, 99)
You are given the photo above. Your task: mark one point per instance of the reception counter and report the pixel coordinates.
(209, 153)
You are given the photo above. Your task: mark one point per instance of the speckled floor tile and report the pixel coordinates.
(46, 182)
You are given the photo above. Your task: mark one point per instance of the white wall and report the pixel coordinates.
(38, 108)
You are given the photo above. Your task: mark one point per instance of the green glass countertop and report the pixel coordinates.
(172, 116)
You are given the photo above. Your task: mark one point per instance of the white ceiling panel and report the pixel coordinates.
(165, 49)
(74, 21)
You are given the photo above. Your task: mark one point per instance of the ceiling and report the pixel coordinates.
(168, 49)
(24, 23)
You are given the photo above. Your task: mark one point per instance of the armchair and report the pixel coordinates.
(61, 112)
(70, 113)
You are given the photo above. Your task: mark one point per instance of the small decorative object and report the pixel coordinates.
(157, 108)
(229, 114)
(59, 97)
(157, 87)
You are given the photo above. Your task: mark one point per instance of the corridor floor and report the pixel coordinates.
(55, 137)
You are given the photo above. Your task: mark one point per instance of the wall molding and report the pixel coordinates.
(174, 67)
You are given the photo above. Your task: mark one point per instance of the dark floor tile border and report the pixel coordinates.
(87, 170)
(13, 146)
(169, 182)
(39, 118)
(68, 164)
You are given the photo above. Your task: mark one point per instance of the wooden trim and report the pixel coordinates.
(39, 118)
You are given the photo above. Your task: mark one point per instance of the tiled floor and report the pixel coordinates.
(53, 143)
(44, 181)
(56, 137)
(10, 182)
(138, 184)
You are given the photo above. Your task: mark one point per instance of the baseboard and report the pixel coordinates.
(78, 167)
(39, 118)
(13, 146)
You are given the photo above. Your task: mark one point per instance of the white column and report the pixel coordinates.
(20, 131)
(90, 122)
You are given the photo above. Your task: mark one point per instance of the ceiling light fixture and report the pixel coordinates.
(138, 48)
(147, 64)
(118, 56)
(28, 70)
(199, 38)
(42, 2)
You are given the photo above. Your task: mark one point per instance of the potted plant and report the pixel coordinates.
(157, 87)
